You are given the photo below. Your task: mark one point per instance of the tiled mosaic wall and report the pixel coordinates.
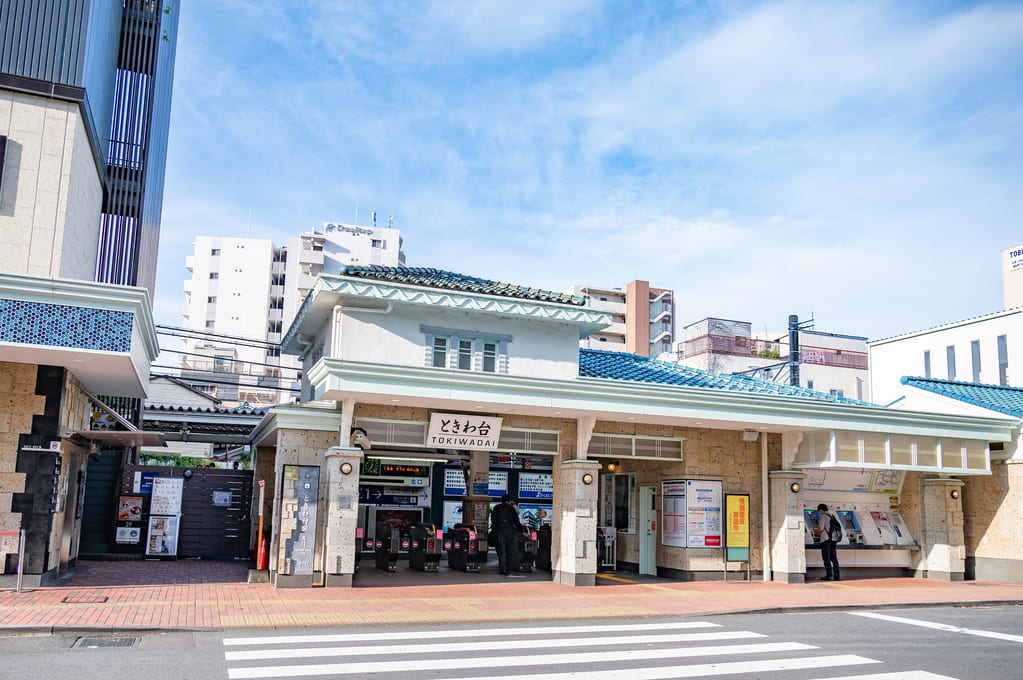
(36, 323)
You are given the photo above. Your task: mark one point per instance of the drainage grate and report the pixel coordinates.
(97, 643)
(84, 599)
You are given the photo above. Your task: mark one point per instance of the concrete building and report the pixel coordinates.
(827, 362)
(84, 110)
(250, 289)
(642, 318)
(448, 390)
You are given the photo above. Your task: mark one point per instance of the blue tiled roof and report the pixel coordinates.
(634, 368)
(438, 278)
(1008, 400)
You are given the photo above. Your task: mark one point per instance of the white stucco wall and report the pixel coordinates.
(52, 192)
(538, 348)
(891, 359)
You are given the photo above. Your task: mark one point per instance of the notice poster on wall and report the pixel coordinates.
(454, 483)
(162, 540)
(129, 509)
(535, 516)
(703, 513)
(536, 485)
(166, 499)
(673, 512)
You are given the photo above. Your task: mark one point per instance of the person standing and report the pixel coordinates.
(506, 527)
(829, 546)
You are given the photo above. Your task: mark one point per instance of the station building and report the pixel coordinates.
(446, 377)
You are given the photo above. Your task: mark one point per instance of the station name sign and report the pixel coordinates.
(462, 431)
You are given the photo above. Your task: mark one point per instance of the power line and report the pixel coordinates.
(236, 383)
(250, 363)
(206, 335)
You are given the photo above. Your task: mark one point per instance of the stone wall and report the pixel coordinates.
(18, 404)
(992, 507)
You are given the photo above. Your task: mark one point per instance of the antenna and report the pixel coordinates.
(356, 212)
(390, 221)
(374, 219)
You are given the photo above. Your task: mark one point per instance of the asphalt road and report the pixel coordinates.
(909, 644)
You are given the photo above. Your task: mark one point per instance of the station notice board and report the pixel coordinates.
(737, 527)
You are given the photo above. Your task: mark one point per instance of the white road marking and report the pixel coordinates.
(495, 645)
(941, 626)
(475, 662)
(465, 632)
(702, 670)
(904, 675)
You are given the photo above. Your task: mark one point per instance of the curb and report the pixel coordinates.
(780, 609)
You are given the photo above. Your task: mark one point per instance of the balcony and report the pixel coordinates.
(735, 346)
(610, 306)
(841, 358)
(313, 257)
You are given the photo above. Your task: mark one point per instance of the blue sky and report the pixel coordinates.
(861, 162)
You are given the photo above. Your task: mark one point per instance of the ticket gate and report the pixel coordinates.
(543, 547)
(468, 548)
(425, 548)
(388, 544)
(607, 548)
(522, 552)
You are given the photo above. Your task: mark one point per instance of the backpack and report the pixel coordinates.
(835, 529)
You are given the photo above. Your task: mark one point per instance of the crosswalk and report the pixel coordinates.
(629, 651)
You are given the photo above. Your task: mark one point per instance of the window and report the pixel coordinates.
(214, 275)
(440, 352)
(836, 393)
(376, 243)
(489, 357)
(212, 299)
(809, 384)
(209, 324)
(1003, 360)
(950, 353)
(472, 351)
(975, 352)
(215, 251)
(927, 364)
(465, 355)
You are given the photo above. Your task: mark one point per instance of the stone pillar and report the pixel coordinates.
(942, 538)
(788, 554)
(342, 514)
(476, 509)
(575, 508)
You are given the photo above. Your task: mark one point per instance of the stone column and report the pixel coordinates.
(942, 539)
(476, 509)
(788, 554)
(575, 507)
(342, 514)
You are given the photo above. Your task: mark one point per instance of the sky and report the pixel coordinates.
(860, 162)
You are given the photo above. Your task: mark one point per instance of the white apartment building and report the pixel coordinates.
(642, 318)
(831, 363)
(250, 289)
(981, 349)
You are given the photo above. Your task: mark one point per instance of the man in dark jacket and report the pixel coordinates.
(829, 554)
(506, 527)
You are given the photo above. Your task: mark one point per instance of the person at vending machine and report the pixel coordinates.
(829, 552)
(505, 527)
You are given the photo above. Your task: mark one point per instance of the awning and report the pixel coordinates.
(123, 437)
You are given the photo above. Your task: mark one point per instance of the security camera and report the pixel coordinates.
(360, 438)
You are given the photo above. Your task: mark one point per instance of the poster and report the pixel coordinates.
(673, 513)
(535, 516)
(536, 485)
(162, 540)
(129, 509)
(128, 535)
(737, 527)
(703, 513)
(166, 498)
(454, 483)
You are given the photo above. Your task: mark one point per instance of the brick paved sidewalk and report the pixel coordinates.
(216, 595)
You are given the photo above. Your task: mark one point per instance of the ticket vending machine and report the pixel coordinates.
(811, 520)
(901, 530)
(853, 534)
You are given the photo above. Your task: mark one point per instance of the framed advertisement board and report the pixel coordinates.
(162, 538)
(737, 527)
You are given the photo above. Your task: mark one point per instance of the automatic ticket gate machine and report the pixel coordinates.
(424, 551)
(543, 548)
(388, 544)
(468, 548)
(523, 552)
